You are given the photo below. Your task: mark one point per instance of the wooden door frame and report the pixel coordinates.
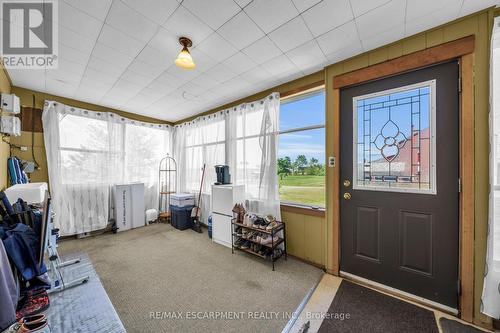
(462, 50)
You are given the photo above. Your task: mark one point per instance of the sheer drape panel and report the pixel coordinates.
(490, 301)
(252, 146)
(88, 152)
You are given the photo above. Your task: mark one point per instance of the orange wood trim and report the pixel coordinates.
(336, 183)
(301, 89)
(419, 59)
(302, 210)
(467, 194)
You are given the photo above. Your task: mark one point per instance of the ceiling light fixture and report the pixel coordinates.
(184, 59)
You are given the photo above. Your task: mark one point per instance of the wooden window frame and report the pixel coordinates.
(462, 50)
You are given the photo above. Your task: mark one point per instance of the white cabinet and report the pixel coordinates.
(224, 197)
(129, 208)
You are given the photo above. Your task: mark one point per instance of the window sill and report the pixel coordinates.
(303, 210)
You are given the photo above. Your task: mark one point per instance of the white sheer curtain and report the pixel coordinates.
(490, 301)
(87, 153)
(252, 145)
(201, 141)
(245, 138)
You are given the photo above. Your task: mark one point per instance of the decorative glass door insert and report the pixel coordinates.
(394, 133)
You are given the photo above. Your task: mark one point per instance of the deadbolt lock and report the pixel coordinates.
(347, 196)
(347, 183)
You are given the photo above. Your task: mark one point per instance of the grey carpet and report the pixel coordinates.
(83, 308)
(371, 311)
(453, 326)
(160, 269)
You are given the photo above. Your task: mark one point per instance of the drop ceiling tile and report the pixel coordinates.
(145, 69)
(157, 11)
(183, 23)
(347, 51)
(279, 66)
(120, 17)
(220, 73)
(416, 9)
(182, 75)
(71, 67)
(120, 41)
(102, 86)
(242, 3)
(96, 8)
(77, 56)
(89, 94)
(303, 5)
(152, 94)
(138, 79)
(307, 56)
(360, 7)
(139, 101)
(166, 78)
(203, 61)
(74, 40)
(429, 21)
(95, 75)
(205, 81)
(63, 88)
(32, 79)
(262, 50)
(291, 34)
(239, 63)
(337, 38)
(271, 14)
(327, 15)
(78, 21)
(162, 86)
(384, 38)
(472, 6)
(166, 42)
(63, 76)
(217, 47)
(127, 87)
(106, 67)
(256, 75)
(241, 31)
(108, 54)
(155, 58)
(381, 19)
(214, 12)
(192, 88)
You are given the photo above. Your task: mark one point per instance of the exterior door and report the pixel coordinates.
(399, 184)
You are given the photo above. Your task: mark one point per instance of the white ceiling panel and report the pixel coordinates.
(381, 19)
(214, 12)
(184, 23)
(303, 5)
(339, 12)
(291, 34)
(217, 47)
(337, 38)
(120, 41)
(307, 56)
(360, 7)
(157, 11)
(96, 8)
(271, 14)
(241, 31)
(120, 17)
(262, 50)
(240, 63)
(120, 53)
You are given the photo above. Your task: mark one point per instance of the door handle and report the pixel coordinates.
(347, 183)
(347, 196)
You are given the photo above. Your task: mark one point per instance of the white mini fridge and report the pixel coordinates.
(224, 197)
(129, 208)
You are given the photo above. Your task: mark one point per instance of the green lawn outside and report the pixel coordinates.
(308, 190)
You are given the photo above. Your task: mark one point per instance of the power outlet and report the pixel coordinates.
(331, 161)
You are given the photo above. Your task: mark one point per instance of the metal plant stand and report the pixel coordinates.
(167, 185)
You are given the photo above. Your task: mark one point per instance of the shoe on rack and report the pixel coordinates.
(34, 327)
(272, 225)
(236, 208)
(238, 231)
(246, 245)
(269, 240)
(35, 303)
(238, 243)
(32, 319)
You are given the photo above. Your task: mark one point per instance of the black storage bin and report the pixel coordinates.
(181, 217)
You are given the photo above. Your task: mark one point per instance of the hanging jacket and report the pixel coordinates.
(8, 292)
(23, 246)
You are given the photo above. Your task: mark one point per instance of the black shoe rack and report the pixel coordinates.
(274, 245)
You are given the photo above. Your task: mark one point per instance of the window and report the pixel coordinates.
(301, 153)
(394, 140)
